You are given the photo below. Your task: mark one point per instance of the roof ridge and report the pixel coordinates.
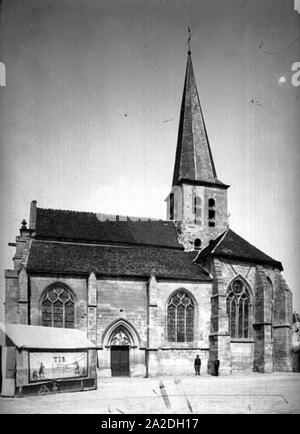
(96, 213)
(65, 210)
(129, 217)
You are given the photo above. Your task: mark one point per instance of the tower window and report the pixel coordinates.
(197, 209)
(197, 244)
(180, 317)
(58, 308)
(238, 310)
(211, 212)
(211, 203)
(172, 206)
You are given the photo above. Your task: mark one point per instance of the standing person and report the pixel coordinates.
(42, 370)
(216, 367)
(197, 365)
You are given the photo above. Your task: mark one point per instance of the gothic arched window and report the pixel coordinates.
(58, 307)
(238, 310)
(180, 317)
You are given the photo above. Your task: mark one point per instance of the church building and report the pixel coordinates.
(152, 294)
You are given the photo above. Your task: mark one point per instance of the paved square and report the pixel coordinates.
(252, 393)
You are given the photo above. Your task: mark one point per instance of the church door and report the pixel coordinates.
(120, 361)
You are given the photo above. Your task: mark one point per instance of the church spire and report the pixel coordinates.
(194, 160)
(198, 200)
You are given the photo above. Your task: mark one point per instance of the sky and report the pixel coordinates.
(89, 114)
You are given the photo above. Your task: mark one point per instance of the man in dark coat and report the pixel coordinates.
(197, 365)
(216, 367)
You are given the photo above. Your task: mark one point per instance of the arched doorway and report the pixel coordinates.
(119, 353)
(122, 354)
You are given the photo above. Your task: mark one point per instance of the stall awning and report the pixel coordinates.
(37, 337)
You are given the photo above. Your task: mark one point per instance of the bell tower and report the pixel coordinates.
(198, 200)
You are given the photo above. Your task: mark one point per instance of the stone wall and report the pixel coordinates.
(121, 299)
(201, 229)
(168, 358)
(11, 297)
(125, 302)
(219, 332)
(271, 317)
(242, 354)
(177, 361)
(282, 331)
(142, 306)
(122, 302)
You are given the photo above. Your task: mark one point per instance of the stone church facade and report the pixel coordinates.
(151, 294)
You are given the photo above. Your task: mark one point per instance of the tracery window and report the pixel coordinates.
(238, 310)
(180, 317)
(58, 308)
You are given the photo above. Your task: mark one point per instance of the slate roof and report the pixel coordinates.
(194, 161)
(86, 227)
(231, 245)
(135, 261)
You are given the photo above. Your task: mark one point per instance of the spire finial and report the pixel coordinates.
(189, 39)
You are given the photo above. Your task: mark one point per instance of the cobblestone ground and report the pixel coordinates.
(252, 393)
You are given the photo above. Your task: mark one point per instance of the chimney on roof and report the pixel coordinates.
(32, 217)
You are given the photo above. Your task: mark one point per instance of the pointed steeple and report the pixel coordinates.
(194, 160)
(198, 200)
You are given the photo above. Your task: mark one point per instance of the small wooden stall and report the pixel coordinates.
(42, 360)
